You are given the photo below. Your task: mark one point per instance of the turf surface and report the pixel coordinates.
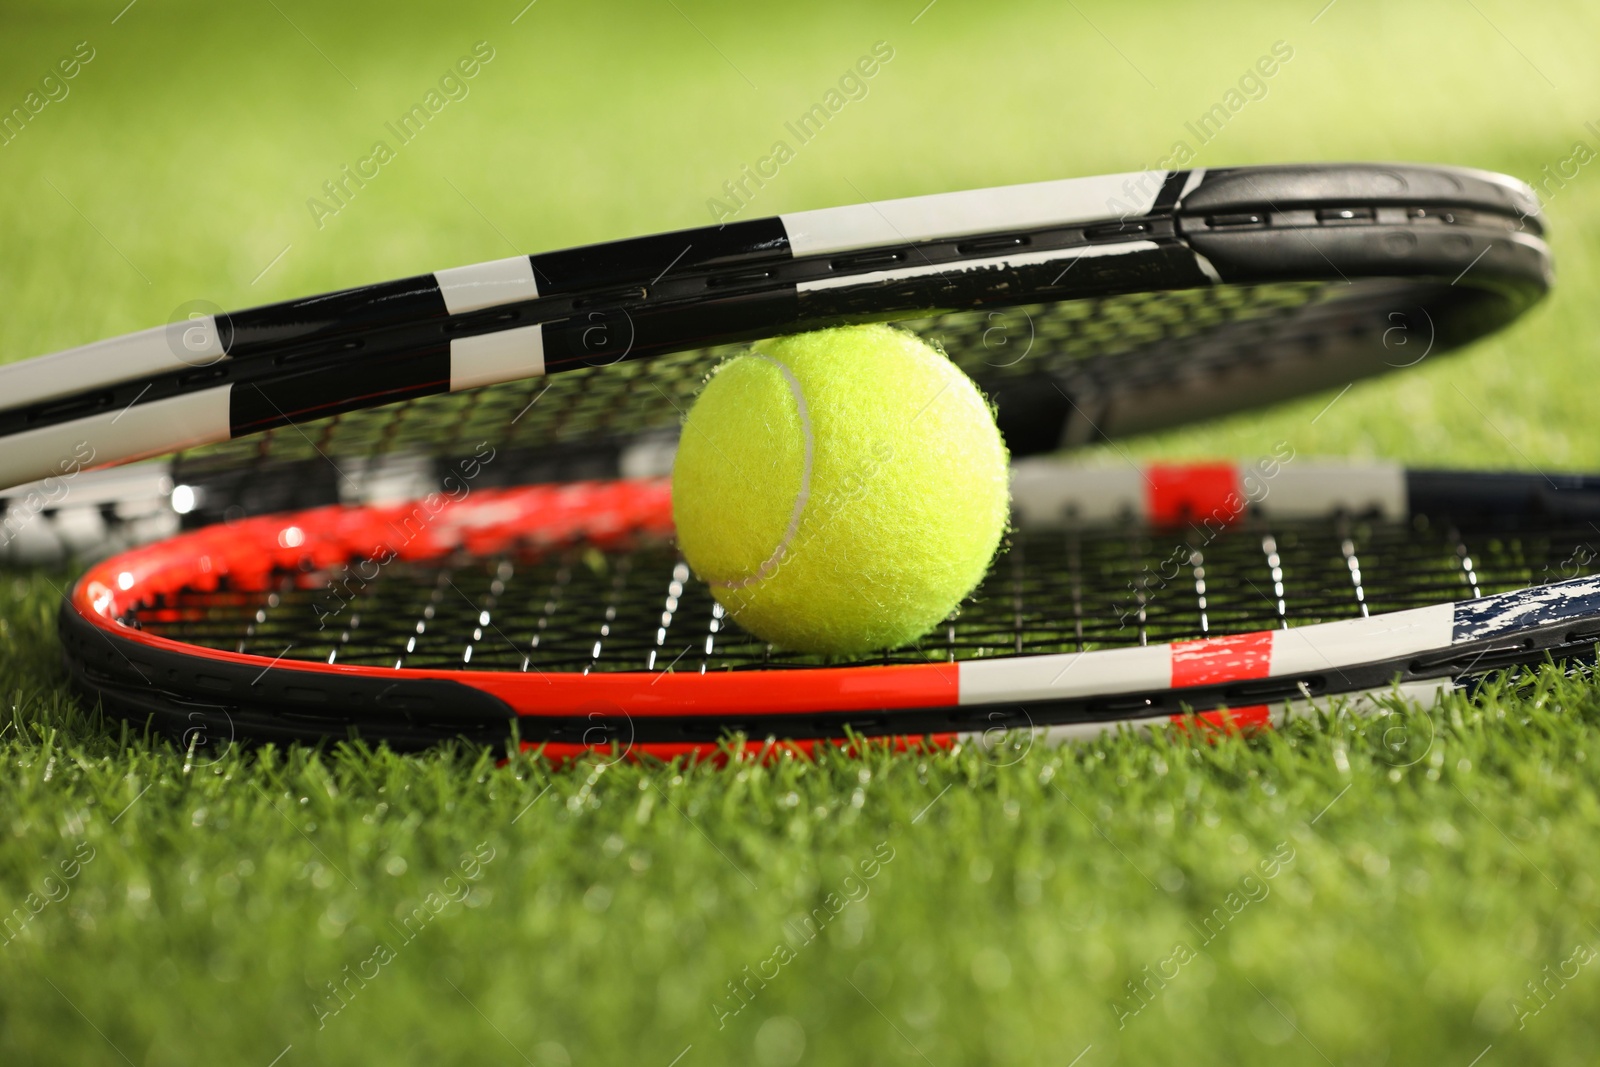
(1424, 869)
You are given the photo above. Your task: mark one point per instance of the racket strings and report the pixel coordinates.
(669, 610)
(586, 414)
(1352, 562)
(1469, 574)
(635, 607)
(998, 343)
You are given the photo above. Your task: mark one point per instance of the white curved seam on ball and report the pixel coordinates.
(766, 569)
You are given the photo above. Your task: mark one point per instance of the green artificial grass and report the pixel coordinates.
(181, 907)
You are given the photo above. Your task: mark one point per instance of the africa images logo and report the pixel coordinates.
(852, 85)
(800, 932)
(51, 89)
(453, 85)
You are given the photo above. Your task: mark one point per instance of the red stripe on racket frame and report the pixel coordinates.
(1193, 492)
(1211, 660)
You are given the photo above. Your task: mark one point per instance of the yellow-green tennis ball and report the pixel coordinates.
(840, 491)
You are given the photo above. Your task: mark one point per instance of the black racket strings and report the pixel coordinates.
(635, 607)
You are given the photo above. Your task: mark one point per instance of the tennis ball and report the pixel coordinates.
(840, 491)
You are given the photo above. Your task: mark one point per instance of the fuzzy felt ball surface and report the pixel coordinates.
(840, 491)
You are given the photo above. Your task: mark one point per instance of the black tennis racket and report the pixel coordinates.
(1086, 308)
(564, 613)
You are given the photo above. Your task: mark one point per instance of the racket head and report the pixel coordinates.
(565, 610)
(1089, 308)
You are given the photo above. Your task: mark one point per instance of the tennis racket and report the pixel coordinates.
(563, 612)
(1086, 308)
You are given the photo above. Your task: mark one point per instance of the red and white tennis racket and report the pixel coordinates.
(563, 612)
